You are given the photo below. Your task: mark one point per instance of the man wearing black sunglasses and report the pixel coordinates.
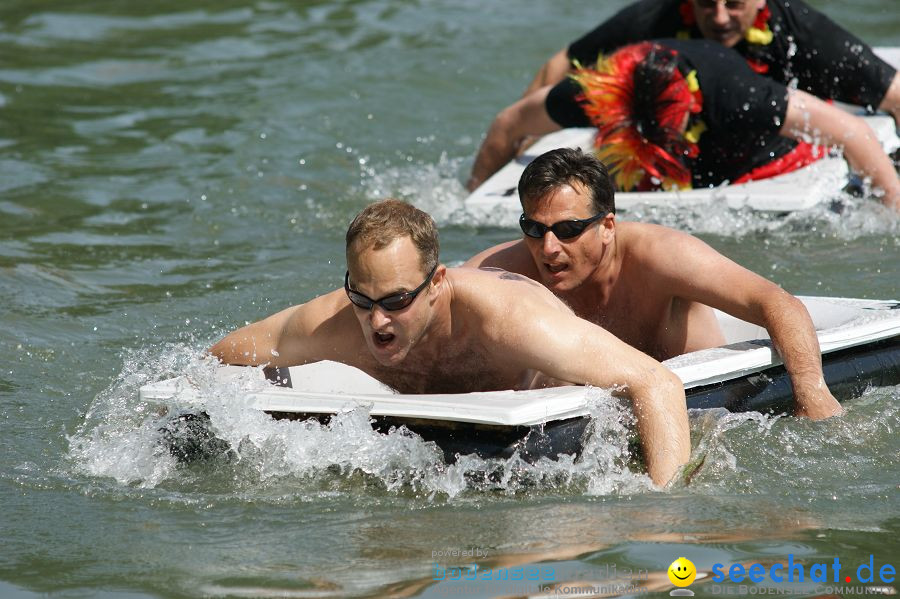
(419, 327)
(651, 286)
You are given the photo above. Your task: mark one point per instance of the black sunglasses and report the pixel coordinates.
(564, 229)
(391, 303)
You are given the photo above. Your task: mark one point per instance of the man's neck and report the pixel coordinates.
(438, 339)
(590, 299)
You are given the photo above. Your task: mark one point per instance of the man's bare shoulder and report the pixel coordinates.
(644, 233)
(490, 289)
(326, 313)
(488, 276)
(651, 244)
(512, 256)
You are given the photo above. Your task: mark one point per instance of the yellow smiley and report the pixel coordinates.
(682, 572)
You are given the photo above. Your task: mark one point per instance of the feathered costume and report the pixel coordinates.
(641, 114)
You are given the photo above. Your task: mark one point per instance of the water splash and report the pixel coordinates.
(845, 217)
(118, 438)
(121, 439)
(435, 188)
(267, 459)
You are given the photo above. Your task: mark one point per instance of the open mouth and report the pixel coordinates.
(723, 33)
(382, 339)
(555, 268)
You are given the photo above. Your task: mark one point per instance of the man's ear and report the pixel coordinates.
(439, 275)
(608, 228)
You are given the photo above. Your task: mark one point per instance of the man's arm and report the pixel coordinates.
(891, 101)
(546, 337)
(527, 116)
(296, 335)
(553, 71)
(694, 271)
(809, 118)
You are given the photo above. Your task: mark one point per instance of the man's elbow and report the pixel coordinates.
(238, 350)
(778, 305)
(222, 351)
(668, 384)
(656, 381)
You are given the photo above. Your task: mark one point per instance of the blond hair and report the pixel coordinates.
(379, 224)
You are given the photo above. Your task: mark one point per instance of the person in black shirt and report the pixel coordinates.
(786, 40)
(685, 113)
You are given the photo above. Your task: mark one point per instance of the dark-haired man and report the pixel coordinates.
(651, 286)
(419, 327)
(786, 40)
(692, 109)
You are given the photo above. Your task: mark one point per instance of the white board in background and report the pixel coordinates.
(496, 200)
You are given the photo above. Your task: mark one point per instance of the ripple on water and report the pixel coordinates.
(844, 461)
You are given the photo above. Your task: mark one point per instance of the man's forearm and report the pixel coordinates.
(497, 149)
(661, 412)
(794, 337)
(525, 117)
(254, 344)
(807, 116)
(891, 101)
(867, 157)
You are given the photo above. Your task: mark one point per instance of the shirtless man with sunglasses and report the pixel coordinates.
(439, 330)
(651, 286)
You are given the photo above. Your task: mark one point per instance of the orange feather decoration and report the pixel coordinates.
(640, 120)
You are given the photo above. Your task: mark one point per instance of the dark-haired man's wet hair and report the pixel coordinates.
(564, 166)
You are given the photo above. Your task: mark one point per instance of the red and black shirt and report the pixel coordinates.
(743, 112)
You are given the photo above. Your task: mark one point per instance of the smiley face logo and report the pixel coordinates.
(682, 572)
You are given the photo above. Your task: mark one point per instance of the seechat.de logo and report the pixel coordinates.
(797, 572)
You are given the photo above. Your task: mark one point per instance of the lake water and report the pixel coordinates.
(172, 170)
